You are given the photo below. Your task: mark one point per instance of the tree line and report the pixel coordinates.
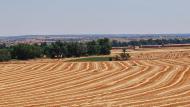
(56, 50)
(116, 43)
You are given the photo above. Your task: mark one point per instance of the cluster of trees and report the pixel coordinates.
(77, 49)
(56, 50)
(116, 43)
(24, 51)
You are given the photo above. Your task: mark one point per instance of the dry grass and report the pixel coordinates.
(155, 78)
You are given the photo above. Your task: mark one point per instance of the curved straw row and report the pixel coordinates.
(141, 83)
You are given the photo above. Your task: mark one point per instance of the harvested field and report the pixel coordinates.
(139, 82)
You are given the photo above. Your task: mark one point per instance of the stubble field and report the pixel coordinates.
(151, 78)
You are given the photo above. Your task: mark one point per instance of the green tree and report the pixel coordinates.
(92, 48)
(55, 50)
(2, 46)
(25, 51)
(105, 46)
(5, 55)
(124, 55)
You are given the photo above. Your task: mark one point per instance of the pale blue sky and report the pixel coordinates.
(22, 17)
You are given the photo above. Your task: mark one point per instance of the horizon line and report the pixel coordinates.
(91, 34)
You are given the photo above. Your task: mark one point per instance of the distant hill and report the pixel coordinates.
(86, 37)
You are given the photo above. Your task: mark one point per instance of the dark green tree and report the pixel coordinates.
(5, 55)
(56, 50)
(105, 46)
(25, 51)
(92, 48)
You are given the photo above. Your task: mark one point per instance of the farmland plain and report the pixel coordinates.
(153, 77)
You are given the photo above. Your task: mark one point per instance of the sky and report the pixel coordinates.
(30, 17)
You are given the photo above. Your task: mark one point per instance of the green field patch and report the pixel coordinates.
(91, 59)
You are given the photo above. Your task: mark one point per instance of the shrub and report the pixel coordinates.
(124, 56)
(110, 58)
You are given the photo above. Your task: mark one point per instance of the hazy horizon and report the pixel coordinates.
(59, 17)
